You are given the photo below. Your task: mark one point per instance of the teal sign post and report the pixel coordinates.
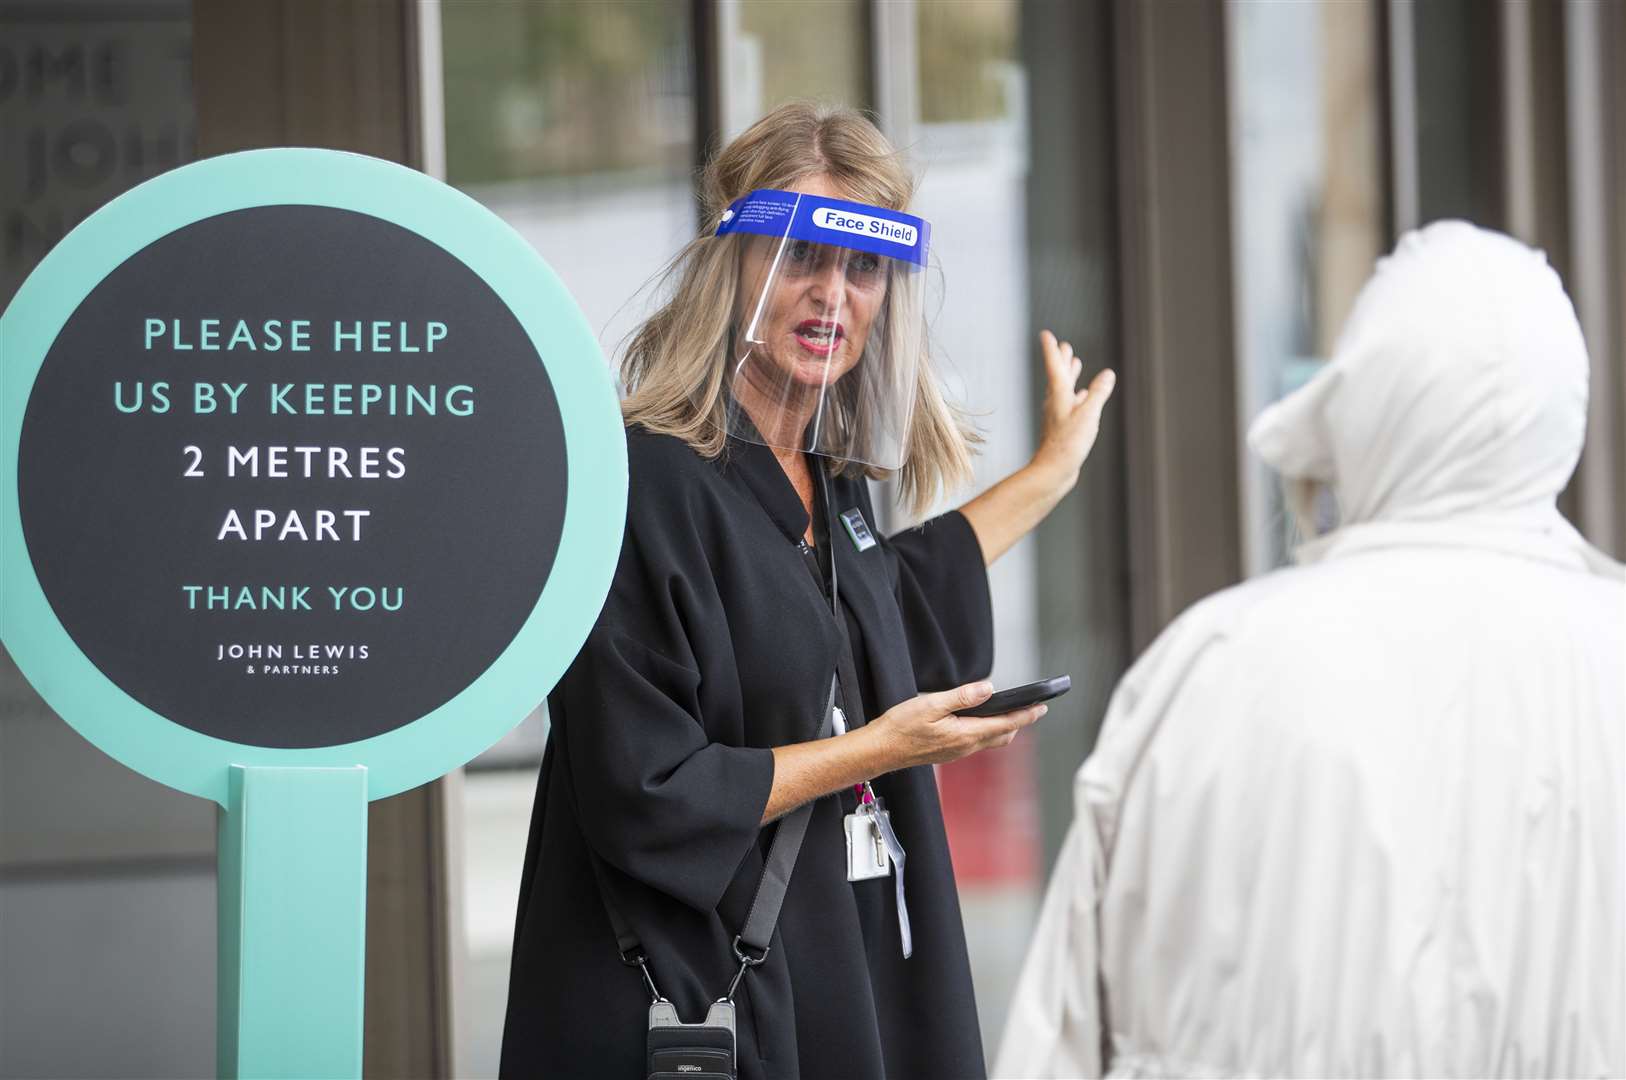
(312, 482)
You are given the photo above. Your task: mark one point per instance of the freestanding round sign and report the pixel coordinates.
(315, 463)
(312, 481)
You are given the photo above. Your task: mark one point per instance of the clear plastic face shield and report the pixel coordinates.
(829, 325)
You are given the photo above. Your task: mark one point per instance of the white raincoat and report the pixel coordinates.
(1364, 816)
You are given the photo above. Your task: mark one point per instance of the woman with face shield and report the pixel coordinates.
(737, 820)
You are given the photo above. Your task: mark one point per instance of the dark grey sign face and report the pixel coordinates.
(292, 476)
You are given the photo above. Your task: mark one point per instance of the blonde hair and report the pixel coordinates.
(675, 366)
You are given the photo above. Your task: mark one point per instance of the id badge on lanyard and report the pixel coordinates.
(873, 851)
(866, 827)
(867, 856)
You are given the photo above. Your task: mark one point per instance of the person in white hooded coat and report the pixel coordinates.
(1364, 816)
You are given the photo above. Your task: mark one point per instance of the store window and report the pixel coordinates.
(1309, 210)
(93, 100)
(107, 879)
(775, 52)
(969, 144)
(575, 123)
(1457, 80)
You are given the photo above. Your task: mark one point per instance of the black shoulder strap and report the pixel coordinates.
(776, 869)
(625, 940)
(751, 944)
(770, 895)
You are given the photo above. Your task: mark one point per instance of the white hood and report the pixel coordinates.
(1458, 386)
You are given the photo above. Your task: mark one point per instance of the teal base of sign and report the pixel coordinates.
(293, 922)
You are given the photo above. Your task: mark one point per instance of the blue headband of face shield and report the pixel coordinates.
(836, 222)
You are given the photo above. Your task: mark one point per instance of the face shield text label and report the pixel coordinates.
(864, 225)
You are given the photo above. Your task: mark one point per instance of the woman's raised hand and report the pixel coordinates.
(1072, 417)
(1010, 509)
(925, 730)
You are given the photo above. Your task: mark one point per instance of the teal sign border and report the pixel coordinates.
(596, 450)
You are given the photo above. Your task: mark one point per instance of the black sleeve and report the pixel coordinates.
(942, 590)
(658, 797)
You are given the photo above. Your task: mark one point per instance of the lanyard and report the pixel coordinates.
(846, 677)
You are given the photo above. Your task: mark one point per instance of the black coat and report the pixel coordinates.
(715, 645)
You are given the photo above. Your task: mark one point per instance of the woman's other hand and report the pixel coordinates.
(920, 731)
(1072, 417)
(924, 730)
